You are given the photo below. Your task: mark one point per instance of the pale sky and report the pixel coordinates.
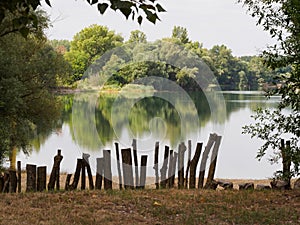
(211, 22)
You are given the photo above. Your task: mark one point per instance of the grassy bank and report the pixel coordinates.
(152, 207)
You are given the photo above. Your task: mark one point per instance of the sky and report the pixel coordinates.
(211, 22)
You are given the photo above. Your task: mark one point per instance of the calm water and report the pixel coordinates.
(92, 122)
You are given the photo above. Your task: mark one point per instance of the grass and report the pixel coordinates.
(152, 207)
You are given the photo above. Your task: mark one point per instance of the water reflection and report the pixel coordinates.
(150, 117)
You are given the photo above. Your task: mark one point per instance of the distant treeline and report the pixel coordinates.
(232, 73)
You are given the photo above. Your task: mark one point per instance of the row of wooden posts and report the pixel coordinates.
(36, 176)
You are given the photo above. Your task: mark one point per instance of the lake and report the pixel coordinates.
(91, 122)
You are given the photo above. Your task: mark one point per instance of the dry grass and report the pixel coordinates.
(152, 207)
(169, 206)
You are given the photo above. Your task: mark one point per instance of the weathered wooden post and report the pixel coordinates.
(127, 168)
(67, 184)
(163, 170)
(31, 177)
(188, 163)
(155, 167)
(55, 173)
(12, 181)
(175, 156)
(86, 162)
(118, 165)
(6, 180)
(83, 176)
(1, 182)
(136, 166)
(19, 171)
(210, 143)
(41, 178)
(170, 169)
(181, 150)
(76, 175)
(99, 173)
(194, 164)
(143, 171)
(107, 170)
(212, 168)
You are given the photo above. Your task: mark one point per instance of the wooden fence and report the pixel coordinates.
(132, 173)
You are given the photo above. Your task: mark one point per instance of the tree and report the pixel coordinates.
(29, 69)
(137, 36)
(22, 17)
(282, 20)
(88, 45)
(181, 34)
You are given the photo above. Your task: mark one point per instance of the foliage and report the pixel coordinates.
(88, 45)
(282, 20)
(137, 36)
(181, 34)
(29, 70)
(19, 15)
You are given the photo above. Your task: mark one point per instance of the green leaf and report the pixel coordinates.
(140, 19)
(160, 8)
(24, 31)
(48, 3)
(94, 2)
(102, 7)
(126, 12)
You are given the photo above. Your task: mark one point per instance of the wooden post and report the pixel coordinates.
(181, 150)
(54, 176)
(12, 181)
(99, 173)
(213, 162)
(163, 170)
(83, 176)
(194, 164)
(143, 171)
(127, 168)
(31, 177)
(155, 167)
(6, 180)
(68, 180)
(107, 170)
(170, 169)
(188, 164)
(118, 165)
(59, 158)
(136, 166)
(41, 178)
(210, 143)
(19, 171)
(175, 156)
(88, 169)
(76, 175)
(1, 183)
